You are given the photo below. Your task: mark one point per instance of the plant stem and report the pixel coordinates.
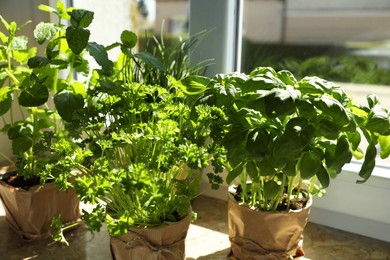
(11, 75)
(313, 182)
(243, 180)
(289, 191)
(279, 197)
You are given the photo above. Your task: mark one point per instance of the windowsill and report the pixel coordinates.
(207, 238)
(380, 170)
(356, 208)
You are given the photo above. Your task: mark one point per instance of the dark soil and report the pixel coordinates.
(16, 180)
(294, 204)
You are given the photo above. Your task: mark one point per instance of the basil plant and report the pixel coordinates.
(285, 138)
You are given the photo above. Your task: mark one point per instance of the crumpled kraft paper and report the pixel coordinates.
(166, 242)
(30, 213)
(266, 235)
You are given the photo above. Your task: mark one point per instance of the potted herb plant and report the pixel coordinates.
(286, 140)
(30, 84)
(140, 155)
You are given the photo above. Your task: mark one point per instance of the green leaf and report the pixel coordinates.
(260, 82)
(306, 109)
(128, 39)
(326, 127)
(3, 38)
(337, 158)
(280, 102)
(45, 123)
(333, 108)
(81, 18)
(263, 71)
(234, 142)
(19, 43)
(287, 77)
(5, 99)
(34, 95)
(384, 143)
(266, 168)
(20, 129)
(12, 28)
(378, 121)
(354, 139)
(252, 171)
(372, 100)
(313, 85)
(323, 177)
(234, 174)
(368, 164)
(271, 189)
(99, 53)
(45, 31)
(294, 140)
(358, 154)
(309, 164)
(257, 144)
(21, 144)
(68, 104)
(64, 13)
(77, 38)
(79, 88)
(290, 168)
(38, 62)
(46, 8)
(150, 60)
(193, 85)
(6, 25)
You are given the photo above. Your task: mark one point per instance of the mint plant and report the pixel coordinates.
(36, 82)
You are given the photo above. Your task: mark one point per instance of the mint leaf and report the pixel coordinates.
(77, 38)
(81, 18)
(45, 31)
(99, 53)
(129, 39)
(68, 103)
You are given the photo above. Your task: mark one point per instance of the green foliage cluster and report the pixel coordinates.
(132, 145)
(28, 84)
(145, 148)
(286, 135)
(346, 68)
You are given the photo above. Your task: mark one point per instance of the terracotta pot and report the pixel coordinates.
(166, 242)
(30, 212)
(266, 235)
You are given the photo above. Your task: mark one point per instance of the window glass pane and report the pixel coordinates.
(346, 41)
(162, 18)
(340, 40)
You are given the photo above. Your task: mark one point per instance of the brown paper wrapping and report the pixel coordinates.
(266, 235)
(166, 242)
(30, 213)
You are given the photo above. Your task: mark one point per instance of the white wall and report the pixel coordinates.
(110, 19)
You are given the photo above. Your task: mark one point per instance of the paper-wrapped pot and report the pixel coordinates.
(30, 212)
(266, 235)
(166, 242)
